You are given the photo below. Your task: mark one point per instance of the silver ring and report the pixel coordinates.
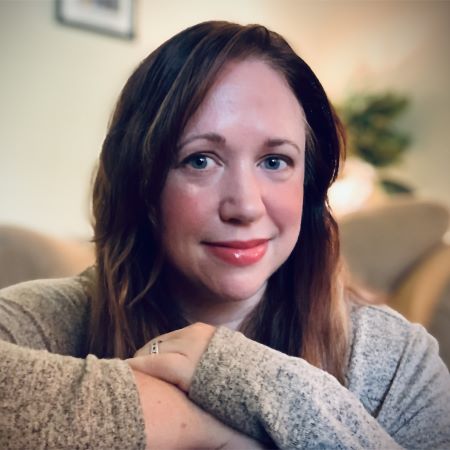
(154, 347)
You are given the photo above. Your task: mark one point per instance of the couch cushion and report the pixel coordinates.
(28, 255)
(381, 244)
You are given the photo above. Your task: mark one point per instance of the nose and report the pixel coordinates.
(242, 198)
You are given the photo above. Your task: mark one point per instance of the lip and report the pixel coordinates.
(239, 253)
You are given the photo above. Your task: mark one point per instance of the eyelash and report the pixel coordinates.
(279, 158)
(186, 161)
(191, 158)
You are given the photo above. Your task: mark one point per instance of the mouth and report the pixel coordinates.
(239, 253)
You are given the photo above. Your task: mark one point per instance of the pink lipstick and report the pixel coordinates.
(239, 253)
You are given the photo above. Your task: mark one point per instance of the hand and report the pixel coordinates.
(172, 421)
(179, 353)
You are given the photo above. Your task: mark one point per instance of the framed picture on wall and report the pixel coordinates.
(113, 17)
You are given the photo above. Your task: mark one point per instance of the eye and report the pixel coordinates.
(198, 161)
(274, 163)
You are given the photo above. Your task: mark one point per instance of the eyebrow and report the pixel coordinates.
(212, 137)
(277, 142)
(218, 139)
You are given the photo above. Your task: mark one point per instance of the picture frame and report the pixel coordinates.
(111, 17)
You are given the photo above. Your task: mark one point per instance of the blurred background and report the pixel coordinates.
(384, 64)
(59, 84)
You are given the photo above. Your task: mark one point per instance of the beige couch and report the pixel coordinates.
(28, 255)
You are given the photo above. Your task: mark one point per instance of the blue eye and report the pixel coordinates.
(197, 161)
(274, 163)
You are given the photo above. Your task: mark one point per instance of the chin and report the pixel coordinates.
(219, 287)
(237, 292)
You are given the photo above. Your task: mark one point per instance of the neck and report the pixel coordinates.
(201, 305)
(226, 313)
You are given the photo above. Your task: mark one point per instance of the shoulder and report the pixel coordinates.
(380, 337)
(379, 322)
(72, 290)
(382, 333)
(385, 347)
(47, 314)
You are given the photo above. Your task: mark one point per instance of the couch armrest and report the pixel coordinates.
(419, 292)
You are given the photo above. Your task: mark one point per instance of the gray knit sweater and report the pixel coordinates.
(397, 394)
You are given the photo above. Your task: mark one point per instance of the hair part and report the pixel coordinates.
(302, 313)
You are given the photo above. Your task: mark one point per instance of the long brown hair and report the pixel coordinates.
(303, 312)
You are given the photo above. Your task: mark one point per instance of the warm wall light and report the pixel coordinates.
(353, 188)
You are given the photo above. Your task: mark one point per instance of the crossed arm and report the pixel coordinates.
(65, 402)
(49, 399)
(400, 398)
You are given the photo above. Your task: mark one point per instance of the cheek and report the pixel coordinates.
(183, 210)
(285, 208)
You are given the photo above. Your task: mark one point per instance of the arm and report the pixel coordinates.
(174, 422)
(46, 314)
(55, 401)
(298, 405)
(401, 390)
(48, 400)
(301, 406)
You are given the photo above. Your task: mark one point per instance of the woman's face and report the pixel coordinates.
(232, 204)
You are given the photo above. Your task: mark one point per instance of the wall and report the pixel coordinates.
(58, 87)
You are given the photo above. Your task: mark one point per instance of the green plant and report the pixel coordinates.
(370, 120)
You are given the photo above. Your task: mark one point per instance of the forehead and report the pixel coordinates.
(250, 92)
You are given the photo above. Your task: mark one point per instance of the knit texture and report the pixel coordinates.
(53, 396)
(397, 393)
(53, 401)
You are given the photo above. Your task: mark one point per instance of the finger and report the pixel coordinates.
(190, 331)
(145, 350)
(191, 340)
(172, 334)
(172, 368)
(170, 346)
(154, 345)
(175, 345)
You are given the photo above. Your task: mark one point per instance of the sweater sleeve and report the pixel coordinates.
(272, 396)
(396, 371)
(50, 401)
(46, 314)
(56, 401)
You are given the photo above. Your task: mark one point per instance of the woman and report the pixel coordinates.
(210, 208)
